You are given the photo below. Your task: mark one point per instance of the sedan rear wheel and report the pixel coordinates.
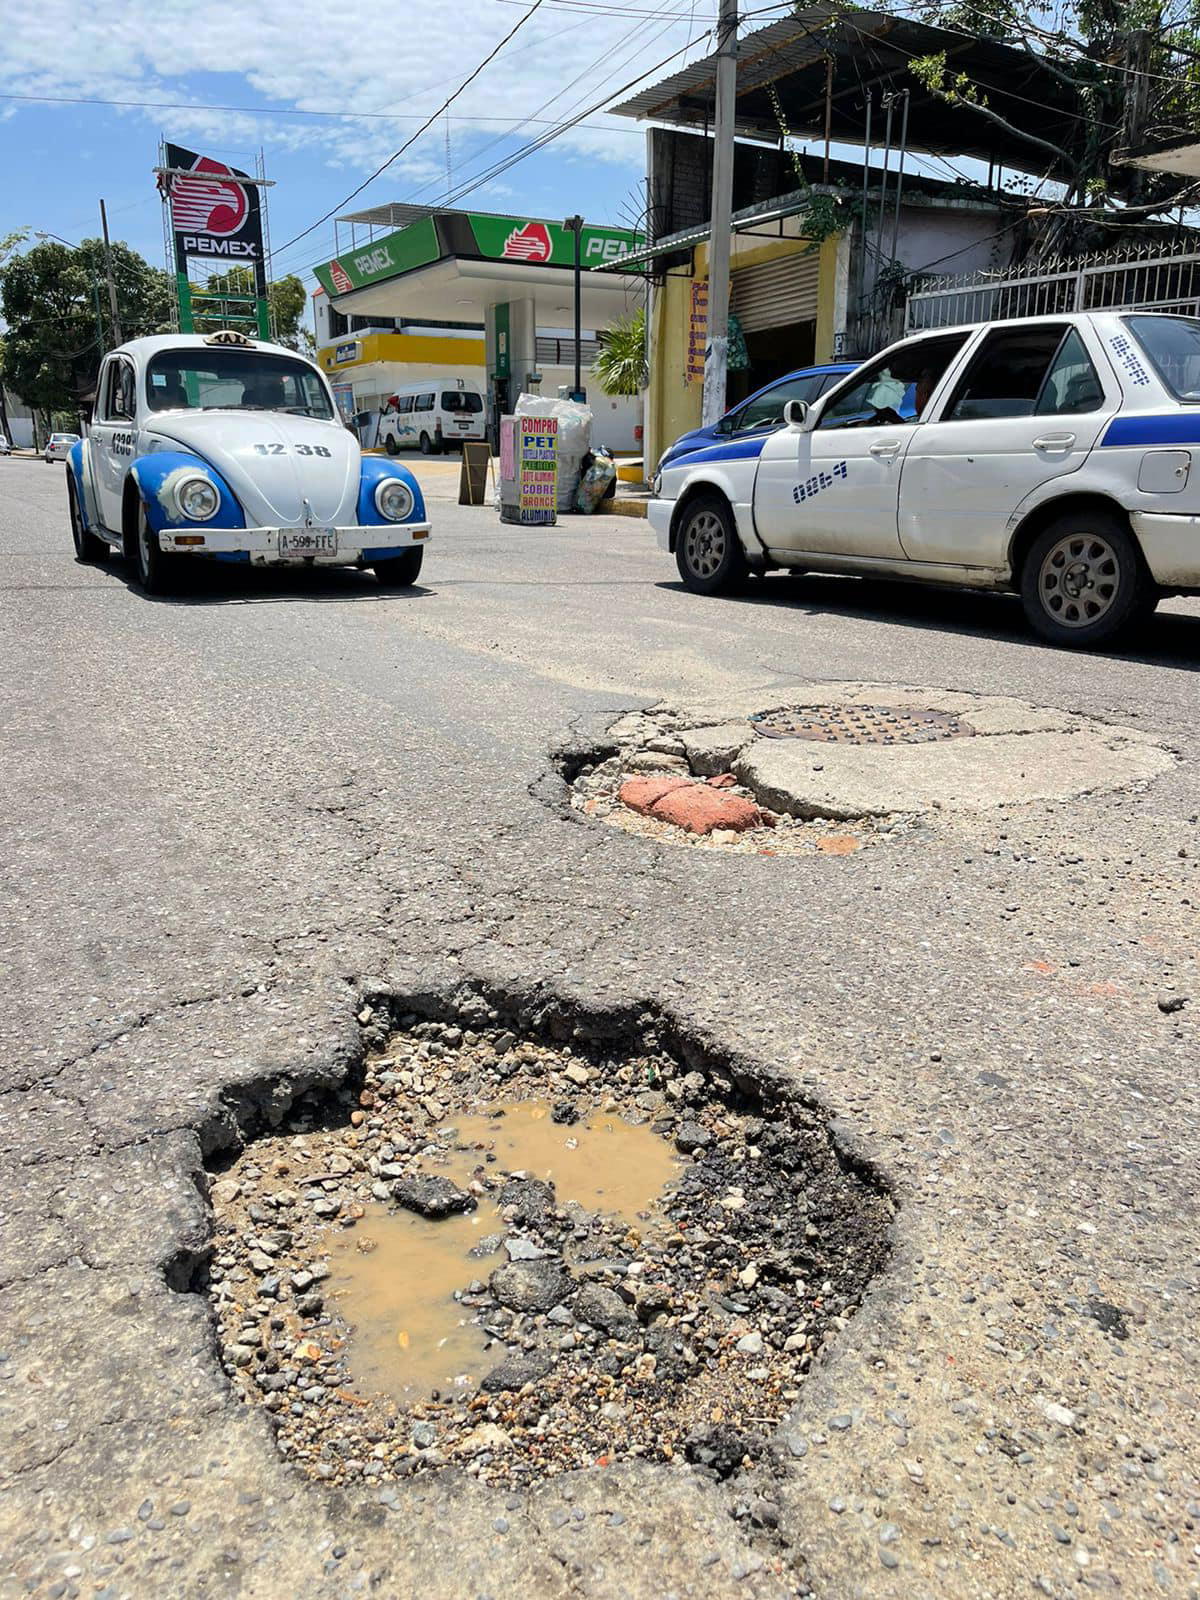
(1084, 581)
(708, 551)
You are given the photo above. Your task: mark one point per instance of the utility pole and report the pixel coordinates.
(716, 354)
(575, 225)
(112, 288)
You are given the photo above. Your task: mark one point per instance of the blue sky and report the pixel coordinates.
(295, 56)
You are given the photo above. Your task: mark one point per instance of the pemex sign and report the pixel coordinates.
(523, 241)
(215, 216)
(549, 244)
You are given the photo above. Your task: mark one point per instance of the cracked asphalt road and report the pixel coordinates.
(225, 819)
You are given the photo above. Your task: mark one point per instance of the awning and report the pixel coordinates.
(790, 62)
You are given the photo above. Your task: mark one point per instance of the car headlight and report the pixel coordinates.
(657, 484)
(198, 499)
(394, 499)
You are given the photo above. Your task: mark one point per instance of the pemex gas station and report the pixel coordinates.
(514, 275)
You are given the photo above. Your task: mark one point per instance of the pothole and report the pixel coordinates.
(830, 768)
(520, 1256)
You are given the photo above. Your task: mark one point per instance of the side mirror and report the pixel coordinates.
(795, 413)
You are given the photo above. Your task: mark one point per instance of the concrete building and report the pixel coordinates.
(472, 294)
(824, 251)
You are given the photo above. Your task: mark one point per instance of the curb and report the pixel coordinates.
(621, 506)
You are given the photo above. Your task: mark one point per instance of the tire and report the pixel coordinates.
(426, 445)
(401, 572)
(157, 573)
(1083, 581)
(390, 445)
(87, 547)
(708, 552)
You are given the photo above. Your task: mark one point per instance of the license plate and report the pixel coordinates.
(463, 424)
(308, 542)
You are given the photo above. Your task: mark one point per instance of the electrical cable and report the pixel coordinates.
(449, 101)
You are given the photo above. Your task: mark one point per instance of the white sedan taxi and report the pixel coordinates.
(1052, 457)
(230, 449)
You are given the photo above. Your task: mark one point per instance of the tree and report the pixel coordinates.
(620, 366)
(8, 243)
(286, 300)
(1133, 72)
(55, 303)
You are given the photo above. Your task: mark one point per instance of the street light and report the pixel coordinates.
(575, 225)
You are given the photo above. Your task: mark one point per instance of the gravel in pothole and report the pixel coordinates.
(522, 1258)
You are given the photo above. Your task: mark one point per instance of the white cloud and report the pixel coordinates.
(299, 54)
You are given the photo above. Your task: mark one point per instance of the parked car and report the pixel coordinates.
(58, 446)
(229, 448)
(1051, 456)
(762, 412)
(432, 415)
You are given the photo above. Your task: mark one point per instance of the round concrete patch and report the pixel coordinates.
(1019, 753)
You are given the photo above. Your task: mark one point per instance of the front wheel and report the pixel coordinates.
(708, 552)
(390, 445)
(87, 546)
(157, 573)
(400, 572)
(1084, 581)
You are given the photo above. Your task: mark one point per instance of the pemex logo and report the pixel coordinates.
(528, 243)
(340, 278)
(212, 203)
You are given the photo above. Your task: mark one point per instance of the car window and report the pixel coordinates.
(766, 410)
(461, 400)
(406, 404)
(1005, 378)
(118, 392)
(1173, 346)
(1072, 384)
(424, 403)
(895, 387)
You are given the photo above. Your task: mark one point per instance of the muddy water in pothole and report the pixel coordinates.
(395, 1274)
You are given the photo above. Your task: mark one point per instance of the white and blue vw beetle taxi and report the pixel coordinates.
(1054, 456)
(230, 449)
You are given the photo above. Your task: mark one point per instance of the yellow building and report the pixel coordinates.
(788, 296)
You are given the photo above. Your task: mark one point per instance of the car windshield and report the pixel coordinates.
(234, 380)
(1173, 347)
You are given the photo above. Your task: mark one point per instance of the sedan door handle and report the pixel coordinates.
(885, 450)
(1055, 442)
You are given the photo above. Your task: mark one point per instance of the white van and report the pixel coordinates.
(432, 415)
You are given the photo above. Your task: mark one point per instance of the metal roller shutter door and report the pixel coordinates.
(776, 293)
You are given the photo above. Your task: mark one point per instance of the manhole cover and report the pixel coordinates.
(860, 724)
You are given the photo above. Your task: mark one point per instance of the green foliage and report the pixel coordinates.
(285, 297)
(1132, 68)
(55, 302)
(620, 367)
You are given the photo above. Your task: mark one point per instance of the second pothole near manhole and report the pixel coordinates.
(830, 768)
(522, 1256)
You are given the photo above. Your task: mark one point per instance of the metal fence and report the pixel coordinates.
(1141, 280)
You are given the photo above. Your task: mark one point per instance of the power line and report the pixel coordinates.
(256, 111)
(449, 101)
(532, 147)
